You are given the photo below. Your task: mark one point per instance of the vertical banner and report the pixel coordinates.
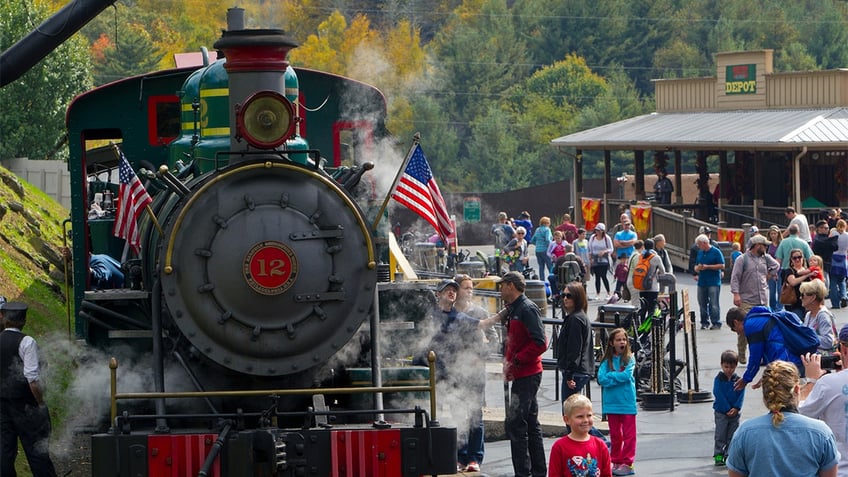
(732, 235)
(591, 209)
(641, 216)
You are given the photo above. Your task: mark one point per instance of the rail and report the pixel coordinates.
(115, 396)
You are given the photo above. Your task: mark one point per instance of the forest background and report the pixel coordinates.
(487, 83)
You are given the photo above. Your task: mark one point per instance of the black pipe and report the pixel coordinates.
(90, 306)
(193, 379)
(216, 449)
(158, 354)
(27, 52)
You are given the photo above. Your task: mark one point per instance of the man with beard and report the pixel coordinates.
(749, 282)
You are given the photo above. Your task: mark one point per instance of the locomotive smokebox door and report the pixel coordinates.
(268, 268)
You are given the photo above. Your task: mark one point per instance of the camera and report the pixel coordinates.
(830, 362)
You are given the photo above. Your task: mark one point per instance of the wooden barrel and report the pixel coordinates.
(535, 291)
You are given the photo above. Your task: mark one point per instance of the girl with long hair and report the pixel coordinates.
(615, 375)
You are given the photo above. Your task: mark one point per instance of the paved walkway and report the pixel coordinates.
(678, 442)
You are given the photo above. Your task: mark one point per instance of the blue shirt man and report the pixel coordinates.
(624, 240)
(709, 265)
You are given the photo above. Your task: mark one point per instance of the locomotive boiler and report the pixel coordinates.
(250, 267)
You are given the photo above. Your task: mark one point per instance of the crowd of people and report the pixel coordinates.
(796, 268)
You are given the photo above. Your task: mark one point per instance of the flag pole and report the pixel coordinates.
(416, 138)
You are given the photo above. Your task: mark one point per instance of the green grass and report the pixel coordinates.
(25, 275)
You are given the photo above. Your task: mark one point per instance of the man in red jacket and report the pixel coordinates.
(525, 343)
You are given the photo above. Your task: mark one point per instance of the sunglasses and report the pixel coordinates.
(568, 295)
(797, 257)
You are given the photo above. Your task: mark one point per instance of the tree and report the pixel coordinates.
(135, 54)
(33, 120)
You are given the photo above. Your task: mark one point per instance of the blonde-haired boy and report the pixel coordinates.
(579, 453)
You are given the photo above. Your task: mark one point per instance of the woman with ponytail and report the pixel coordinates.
(782, 442)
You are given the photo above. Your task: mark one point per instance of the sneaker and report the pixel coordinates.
(472, 467)
(715, 327)
(704, 327)
(743, 360)
(460, 467)
(719, 460)
(843, 302)
(623, 469)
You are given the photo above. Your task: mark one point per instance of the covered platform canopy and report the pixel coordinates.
(765, 130)
(781, 139)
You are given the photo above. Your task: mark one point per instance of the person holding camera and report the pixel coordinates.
(818, 317)
(822, 396)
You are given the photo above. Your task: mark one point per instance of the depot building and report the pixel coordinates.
(780, 139)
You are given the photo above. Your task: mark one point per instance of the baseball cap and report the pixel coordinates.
(447, 283)
(843, 333)
(515, 278)
(601, 227)
(705, 230)
(754, 229)
(758, 240)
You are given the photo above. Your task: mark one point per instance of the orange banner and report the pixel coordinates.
(591, 209)
(641, 217)
(732, 235)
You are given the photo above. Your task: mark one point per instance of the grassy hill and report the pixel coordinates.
(32, 271)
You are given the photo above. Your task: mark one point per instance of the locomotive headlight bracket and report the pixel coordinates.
(266, 120)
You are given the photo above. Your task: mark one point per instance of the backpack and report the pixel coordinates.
(641, 278)
(798, 337)
(569, 270)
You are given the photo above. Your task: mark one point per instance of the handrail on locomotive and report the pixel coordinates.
(430, 388)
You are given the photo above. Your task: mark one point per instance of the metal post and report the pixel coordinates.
(376, 355)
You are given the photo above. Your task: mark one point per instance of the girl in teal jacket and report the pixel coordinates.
(615, 375)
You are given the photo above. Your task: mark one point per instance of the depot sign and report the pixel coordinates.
(741, 79)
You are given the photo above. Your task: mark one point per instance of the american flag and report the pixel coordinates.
(132, 201)
(418, 191)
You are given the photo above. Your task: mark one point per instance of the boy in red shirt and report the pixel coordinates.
(579, 454)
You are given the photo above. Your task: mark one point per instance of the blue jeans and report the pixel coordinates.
(837, 290)
(580, 379)
(523, 428)
(708, 300)
(774, 285)
(473, 449)
(545, 264)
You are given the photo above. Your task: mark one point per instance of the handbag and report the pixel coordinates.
(788, 295)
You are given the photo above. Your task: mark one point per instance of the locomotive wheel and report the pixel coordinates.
(268, 268)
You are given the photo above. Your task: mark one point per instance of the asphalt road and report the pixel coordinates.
(678, 442)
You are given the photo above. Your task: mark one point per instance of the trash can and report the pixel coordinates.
(726, 251)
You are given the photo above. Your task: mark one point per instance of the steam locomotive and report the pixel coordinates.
(254, 265)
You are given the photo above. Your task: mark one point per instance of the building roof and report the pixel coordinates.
(784, 129)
